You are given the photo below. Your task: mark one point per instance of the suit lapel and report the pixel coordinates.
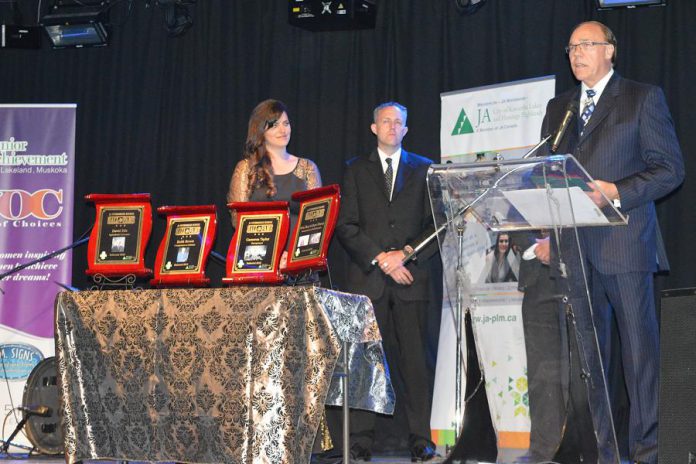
(605, 106)
(403, 173)
(377, 173)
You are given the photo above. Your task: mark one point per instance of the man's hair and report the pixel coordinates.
(381, 106)
(609, 36)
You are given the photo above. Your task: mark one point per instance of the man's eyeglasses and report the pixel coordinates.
(584, 46)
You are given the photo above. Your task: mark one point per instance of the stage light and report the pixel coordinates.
(12, 36)
(610, 4)
(469, 6)
(76, 26)
(322, 15)
(15, 32)
(177, 17)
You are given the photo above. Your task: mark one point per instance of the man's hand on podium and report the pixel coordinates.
(608, 188)
(542, 251)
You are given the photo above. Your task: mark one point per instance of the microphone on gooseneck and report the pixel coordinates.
(571, 110)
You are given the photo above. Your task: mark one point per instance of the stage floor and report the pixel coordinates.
(39, 459)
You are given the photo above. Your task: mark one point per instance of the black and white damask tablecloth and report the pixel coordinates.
(235, 375)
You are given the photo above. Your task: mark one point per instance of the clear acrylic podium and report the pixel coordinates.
(488, 216)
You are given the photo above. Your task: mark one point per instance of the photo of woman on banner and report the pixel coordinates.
(502, 261)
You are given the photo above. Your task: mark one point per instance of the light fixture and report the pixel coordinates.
(12, 36)
(323, 15)
(469, 6)
(610, 4)
(14, 31)
(177, 17)
(76, 26)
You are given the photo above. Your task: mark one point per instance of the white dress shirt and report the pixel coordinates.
(396, 157)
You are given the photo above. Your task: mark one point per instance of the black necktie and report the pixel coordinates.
(388, 177)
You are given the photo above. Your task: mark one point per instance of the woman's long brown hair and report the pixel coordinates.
(262, 118)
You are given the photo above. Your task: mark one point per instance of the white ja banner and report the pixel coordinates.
(501, 118)
(476, 124)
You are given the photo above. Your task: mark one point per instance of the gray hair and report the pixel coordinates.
(381, 106)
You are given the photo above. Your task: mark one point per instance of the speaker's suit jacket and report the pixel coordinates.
(369, 223)
(630, 141)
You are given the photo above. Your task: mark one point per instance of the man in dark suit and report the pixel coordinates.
(625, 139)
(385, 212)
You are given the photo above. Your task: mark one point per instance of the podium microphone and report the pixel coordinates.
(571, 109)
(40, 411)
(536, 147)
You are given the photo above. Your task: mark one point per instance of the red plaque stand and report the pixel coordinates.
(309, 242)
(183, 252)
(258, 242)
(120, 234)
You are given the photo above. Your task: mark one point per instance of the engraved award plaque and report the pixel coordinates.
(183, 252)
(309, 242)
(259, 241)
(120, 234)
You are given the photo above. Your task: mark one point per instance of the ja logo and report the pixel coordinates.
(463, 125)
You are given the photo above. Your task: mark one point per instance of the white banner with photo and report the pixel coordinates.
(485, 123)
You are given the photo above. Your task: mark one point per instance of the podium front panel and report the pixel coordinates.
(532, 323)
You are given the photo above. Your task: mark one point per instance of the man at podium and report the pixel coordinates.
(625, 138)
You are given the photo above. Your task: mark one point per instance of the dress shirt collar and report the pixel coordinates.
(396, 157)
(598, 88)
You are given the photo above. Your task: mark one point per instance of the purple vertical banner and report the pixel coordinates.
(37, 155)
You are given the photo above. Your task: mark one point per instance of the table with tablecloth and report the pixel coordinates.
(237, 374)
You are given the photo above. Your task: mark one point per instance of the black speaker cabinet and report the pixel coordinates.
(677, 430)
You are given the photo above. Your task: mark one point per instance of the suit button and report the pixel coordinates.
(392, 225)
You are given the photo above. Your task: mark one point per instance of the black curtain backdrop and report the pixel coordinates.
(168, 115)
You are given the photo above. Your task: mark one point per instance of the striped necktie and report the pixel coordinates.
(388, 177)
(589, 107)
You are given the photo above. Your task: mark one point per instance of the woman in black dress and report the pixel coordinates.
(267, 172)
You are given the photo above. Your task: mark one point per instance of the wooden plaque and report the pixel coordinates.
(310, 239)
(258, 242)
(120, 235)
(183, 253)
